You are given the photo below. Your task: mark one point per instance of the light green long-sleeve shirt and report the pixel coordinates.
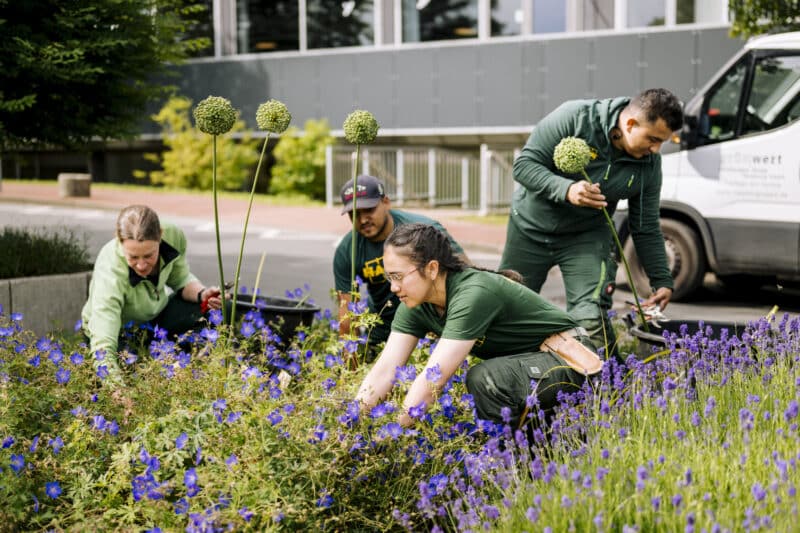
(117, 295)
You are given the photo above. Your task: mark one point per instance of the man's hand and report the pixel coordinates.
(660, 298)
(585, 194)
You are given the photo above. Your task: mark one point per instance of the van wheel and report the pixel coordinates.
(685, 257)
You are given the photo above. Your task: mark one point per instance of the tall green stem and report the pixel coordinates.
(624, 261)
(353, 287)
(216, 226)
(244, 233)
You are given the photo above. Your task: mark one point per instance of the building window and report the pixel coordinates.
(508, 17)
(341, 23)
(438, 20)
(646, 13)
(267, 25)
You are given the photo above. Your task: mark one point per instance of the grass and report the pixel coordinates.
(264, 199)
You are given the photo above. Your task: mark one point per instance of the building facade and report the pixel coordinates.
(454, 74)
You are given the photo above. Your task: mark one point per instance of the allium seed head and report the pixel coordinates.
(360, 127)
(572, 155)
(214, 115)
(273, 116)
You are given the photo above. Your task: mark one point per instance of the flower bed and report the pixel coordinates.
(704, 436)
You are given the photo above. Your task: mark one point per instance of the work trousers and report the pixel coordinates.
(587, 268)
(507, 381)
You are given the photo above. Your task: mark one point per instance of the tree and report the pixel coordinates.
(72, 71)
(754, 17)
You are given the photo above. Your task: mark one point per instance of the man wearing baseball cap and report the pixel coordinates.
(375, 220)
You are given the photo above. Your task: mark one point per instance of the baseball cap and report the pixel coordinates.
(369, 194)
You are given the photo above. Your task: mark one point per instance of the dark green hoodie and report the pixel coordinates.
(540, 208)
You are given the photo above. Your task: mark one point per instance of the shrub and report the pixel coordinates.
(40, 252)
(186, 162)
(300, 160)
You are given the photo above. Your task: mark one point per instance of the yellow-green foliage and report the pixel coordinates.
(186, 162)
(300, 160)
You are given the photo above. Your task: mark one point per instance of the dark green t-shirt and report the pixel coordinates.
(504, 316)
(369, 265)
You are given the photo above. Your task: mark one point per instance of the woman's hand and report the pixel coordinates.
(212, 297)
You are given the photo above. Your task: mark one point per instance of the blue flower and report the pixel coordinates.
(325, 500)
(56, 443)
(215, 317)
(53, 489)
(190, 478)
(405, 374)
(34, 444)
(231, 460)
(35, 361)
(56, 356)
(8, 442)
(381, 410)
(332, 360)
(102, 371)
(220, 404)
(759, 493)
(63, 375)
(16, 317)
(393, 430)
(180, 442)
(181, 506)
(76, 358)
(245, 514)
(17, 462)
(275, 417)
(247, 329)
(791, 411)
(433, 373)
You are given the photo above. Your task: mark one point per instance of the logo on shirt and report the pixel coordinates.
(373, 271)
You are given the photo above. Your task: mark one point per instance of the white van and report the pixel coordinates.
(730, 203)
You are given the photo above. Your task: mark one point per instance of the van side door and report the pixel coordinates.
(742, 166)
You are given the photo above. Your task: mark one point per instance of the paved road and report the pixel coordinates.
(296, 258)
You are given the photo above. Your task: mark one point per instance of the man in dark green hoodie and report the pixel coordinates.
(556, 219)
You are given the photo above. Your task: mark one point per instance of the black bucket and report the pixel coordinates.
(284, 316)
(655, 337)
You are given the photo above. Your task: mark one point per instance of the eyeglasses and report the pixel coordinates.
(398, 276)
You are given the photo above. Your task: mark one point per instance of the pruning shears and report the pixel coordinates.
(652, 313)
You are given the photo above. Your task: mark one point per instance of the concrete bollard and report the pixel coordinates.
(71, 185)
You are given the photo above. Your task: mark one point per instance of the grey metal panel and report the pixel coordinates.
(417, 97)
(667, 63)
(499, 85)
(337, 86)
(533, 82)
(566, 74)
(301, 80)
(456, 92)
(509, 83)
(715, 48)
(375, 86)
(615, 72)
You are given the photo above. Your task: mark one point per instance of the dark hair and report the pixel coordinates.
(660, 103)
(423, 243)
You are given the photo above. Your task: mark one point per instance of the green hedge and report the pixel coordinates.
(40, 252)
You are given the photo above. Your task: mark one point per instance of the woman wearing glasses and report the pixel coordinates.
(514, 330)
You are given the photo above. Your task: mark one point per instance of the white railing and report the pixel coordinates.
(429, 177)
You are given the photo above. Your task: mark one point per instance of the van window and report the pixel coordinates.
(774, 95)
(721, 107)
